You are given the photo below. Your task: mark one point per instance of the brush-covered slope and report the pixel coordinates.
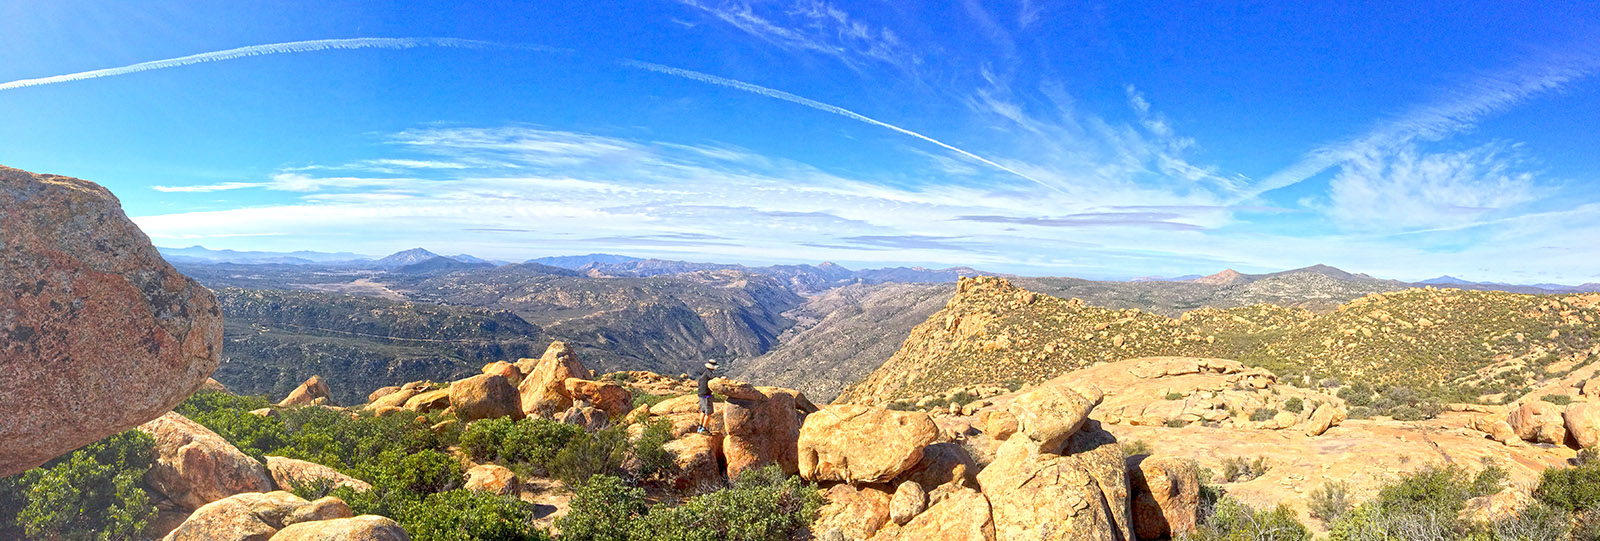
(1453, 343)
(274, 340)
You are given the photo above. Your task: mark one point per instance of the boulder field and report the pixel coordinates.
(97, 332)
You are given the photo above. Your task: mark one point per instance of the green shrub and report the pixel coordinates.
(1422, 505)
(1174, 396)
(641, 398)
(95, 492)
(1359, 412)
(1571, 489)
(533, 441)
(1406, 413)
(1294, 405)
(462, 515)
(1262, 414)
(229, 416)
(1176, 423)
(1358, 394)
(761, 505)
(1330, 502)
(1135, 447)
(589, 454)
(602, 509)
(654, 461)
(1557, 399)
(1237, 469)
(1538, 521)
(1231, 520)
(342, 442)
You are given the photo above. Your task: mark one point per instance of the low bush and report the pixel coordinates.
(602, 509)
(532, 442)
(1229, 520)
(1330, 502)
(1262, 414)
(1422, 505)
(1135, 447)
(1294, 405)
(1174, 396)
(590, 454)
(1570, 489)
(1236, 469)
(1557, 399)
(641, 398)
(229, 416)
(763, 504)
(93, 493)
(462, 515)
(653, 460)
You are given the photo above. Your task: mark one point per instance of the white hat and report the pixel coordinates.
(711, 365)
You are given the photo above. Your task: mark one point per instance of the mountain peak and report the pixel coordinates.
(1225, 278)
(406, 257)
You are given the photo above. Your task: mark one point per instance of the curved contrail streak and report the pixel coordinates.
(257, 50)
(411, 43)
(814, 104)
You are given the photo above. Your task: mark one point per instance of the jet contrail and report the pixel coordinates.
(814, 104)
(257, 50)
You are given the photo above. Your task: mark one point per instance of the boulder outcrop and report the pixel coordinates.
(250, 516)
(762, 425)
(698, 460)
(307, 393)
(543, 389)
(194, 466)
(288, 473)
(1166, 496)
(97, 332)
(1582, 422)
(609, 397)
(1539, 422)
(502, 368)
(485, 396)
(423, 402)
(492, 478)
(857, 512)
(862, 444)
(362, 528)
(964, 515)
(909, 500)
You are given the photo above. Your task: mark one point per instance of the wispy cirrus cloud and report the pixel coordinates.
(814, 26)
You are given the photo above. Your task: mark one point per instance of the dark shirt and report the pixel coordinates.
(705, 382)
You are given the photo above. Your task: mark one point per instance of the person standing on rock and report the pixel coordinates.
(705, 395)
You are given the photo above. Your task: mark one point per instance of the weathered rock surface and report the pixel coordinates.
(194, 466)
(858, 513)
(288, 473)
(609, 397)
(946, 463)
(698, 459)
(998, 424)
(1166, 496)
(586, 416)
(684, 414)
(1539, 422)
(485, 396)
(306, 393)
(964, 515)
(362, 528)
(1049, 415)
(502, 368)
(97, 332)
(382, 392)
(1081, 494)
(492, 478)
(1503, 505)
(324, 508)
(762, 426)
(859, 444)
(909, 500)
(394, 400)
(1582, 421)
(423, 402)
(543, 389)
(251, 516)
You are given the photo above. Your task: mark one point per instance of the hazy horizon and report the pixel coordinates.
(1098, 141)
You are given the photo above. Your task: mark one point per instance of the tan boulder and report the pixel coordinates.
(362, 528)
(289, 473)
(1591, 387)
(862, 443)
(1582, 421)
(97, 332)
(194, 466)
(1497, 428)
(609, 397)
(1048, 415)
(857, 512)
(586, 416)
(964, 515)
(998, 424)
(250, 516)
(1539, 422)
(213, 385)
(684, 414)
(324, 508)
(1166, 496)
(543, 389)
(1081, 494)
(761, 426)
(909, 500)
(1503, 505)
(382, 392)
(1326, 416)
(697, 457)
(492, 478)
(484, 396)
(512, 374)
(946, 463)
(435, 400)
(307, 392)
(394, 400)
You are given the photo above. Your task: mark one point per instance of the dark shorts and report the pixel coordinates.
(705, 405)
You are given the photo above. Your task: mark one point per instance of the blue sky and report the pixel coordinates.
(1103, 140)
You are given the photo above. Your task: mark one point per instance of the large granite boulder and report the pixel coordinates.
(859, 444)
(97, 332)
(1080, 494)
(307, 393)
(362, 528)
(194, 466)
(543, 389)
(251, 516)
(288, 473)
(857, 512)
(698, 461)
(909, 500)
(485, 396)
(1539, 422)
(964, 515)
(492, 478)
(1583, 423)
(762, 425)
(1166, 496)
(1048, 415)
(609, 397)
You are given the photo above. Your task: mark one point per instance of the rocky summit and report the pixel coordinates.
(97, 332)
